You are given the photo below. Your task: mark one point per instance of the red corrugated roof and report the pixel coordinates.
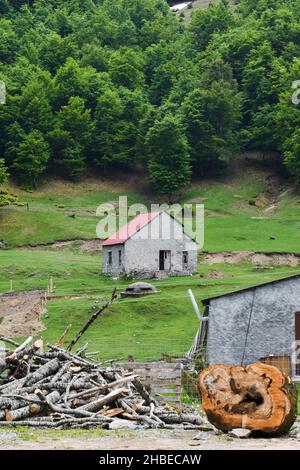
(134, 226)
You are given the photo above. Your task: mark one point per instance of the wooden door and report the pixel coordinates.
(297, 337)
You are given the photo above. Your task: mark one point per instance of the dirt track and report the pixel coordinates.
(143, 440)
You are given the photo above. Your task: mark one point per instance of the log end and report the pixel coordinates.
(258, 397)
(9, 416)
(38, 344)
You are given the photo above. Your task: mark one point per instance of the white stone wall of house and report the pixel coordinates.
(113, 260)
(142, 256)
(142, 251)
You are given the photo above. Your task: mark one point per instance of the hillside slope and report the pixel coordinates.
(248, 208)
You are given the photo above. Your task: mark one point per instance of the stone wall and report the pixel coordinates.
(270, 331)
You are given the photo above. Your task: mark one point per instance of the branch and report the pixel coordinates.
(91, 320)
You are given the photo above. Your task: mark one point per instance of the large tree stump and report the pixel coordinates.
(257, 397)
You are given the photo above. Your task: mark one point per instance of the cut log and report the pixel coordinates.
(152, 423)
(38, 344)
(14, 358)
(104, 387)
(64, 355)
(258, 397)
(143, 392)
(44, 371)
(107, 399)
(112, 412)
(30, 410)
(58, 389)
(24, 344)
(60, 373)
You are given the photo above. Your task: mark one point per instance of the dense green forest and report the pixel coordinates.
(100, 85)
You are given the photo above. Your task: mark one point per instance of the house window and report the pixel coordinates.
(185, 257)
(110, 257)
(120, 257)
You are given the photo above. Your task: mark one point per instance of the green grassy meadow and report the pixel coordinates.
(146, 328)
(154, 325)
(61, 210)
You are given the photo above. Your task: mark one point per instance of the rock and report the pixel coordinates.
(260, 202)
(2, 244)
(240, 433)
(217, 431)
(122, 424)
(201, 436)
(295, 431)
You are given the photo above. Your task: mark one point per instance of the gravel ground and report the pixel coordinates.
(144, 440)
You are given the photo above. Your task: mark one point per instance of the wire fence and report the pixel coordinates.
(139, 349)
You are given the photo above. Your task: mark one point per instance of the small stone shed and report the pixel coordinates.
(150, 245)
(253, 323)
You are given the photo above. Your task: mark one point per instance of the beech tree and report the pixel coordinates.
(169, 158)
(32, 156)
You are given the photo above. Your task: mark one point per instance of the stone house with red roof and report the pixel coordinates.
(151, 245)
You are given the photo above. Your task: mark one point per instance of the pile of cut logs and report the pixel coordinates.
(56, 388)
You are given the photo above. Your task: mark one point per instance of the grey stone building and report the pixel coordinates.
(254, 323)
(150, 245)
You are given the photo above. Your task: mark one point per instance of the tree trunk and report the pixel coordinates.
(29, 410)
(44, 371)
(258, 397)
(111, 397)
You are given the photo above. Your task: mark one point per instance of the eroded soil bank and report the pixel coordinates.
(21, 313)
(263, 259)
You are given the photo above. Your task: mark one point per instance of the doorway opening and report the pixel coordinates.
(164, 260)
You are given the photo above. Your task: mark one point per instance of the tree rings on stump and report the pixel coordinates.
(258, 397)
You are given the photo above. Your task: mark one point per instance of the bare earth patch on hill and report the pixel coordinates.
(88, 245)
(236, 257)
(93, 245)
(21, 312)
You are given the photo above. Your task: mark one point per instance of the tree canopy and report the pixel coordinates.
(96, 84)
